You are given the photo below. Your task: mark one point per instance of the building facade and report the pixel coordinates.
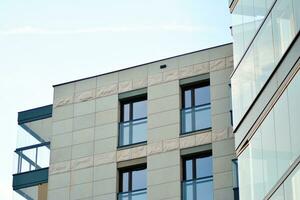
(160, 130)
(266, 96)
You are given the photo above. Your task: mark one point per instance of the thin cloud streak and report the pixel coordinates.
(42, 31)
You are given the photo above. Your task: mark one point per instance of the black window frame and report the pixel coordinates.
(193, 86)
(130, 170)
(194, 158)
(131, 101)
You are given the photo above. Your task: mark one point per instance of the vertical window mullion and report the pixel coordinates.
(194, 179)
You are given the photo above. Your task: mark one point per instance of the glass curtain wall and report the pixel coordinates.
(274, 146)
(266, 50)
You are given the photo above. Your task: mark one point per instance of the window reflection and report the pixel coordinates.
(195, 113)
(133, 125)
(197, 177)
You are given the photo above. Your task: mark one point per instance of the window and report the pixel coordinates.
(195, 113)
(198, 177)
(133, 125)
(133, 183)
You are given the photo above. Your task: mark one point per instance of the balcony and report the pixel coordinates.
(198, 189)
(133, 195)
(133, 132)
(195, 118)
(32, 155)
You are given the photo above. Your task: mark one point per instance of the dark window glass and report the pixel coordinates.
(202, 96)
(133, 179)
(187, 98)
(139, 109)
(204, 167)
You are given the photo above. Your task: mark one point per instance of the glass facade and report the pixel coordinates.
(133, 125)
(196, 108)
(274, 146)
(198, 178)
(247, 17)
(266, 50)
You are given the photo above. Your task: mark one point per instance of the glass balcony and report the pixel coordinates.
(133, 195)
(199, 189)
(133, 132)
(195, 118)
(33, 157)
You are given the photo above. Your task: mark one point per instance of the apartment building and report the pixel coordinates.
(160, 130)
(266, 97)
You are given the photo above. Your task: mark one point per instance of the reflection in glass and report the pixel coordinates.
(199, 189)
(204, 167)
(139, 179)
(133, 132)
(282, 134)
(196, 118)
(139, 109)
(202, 95)
(283, 26)
(188, 98)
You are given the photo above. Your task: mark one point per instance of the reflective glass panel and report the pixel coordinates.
(187, 98)
(125, 181)
(282, 132)
(292, 185)
(126, 112)
(204, 167)
(256, 162)
(245, 189)
(202, 95)
(139, 179)
(264, 54)
(204, 190)
(188, 169)
(139, 109)
(269, 152)
(248, 21)
(296, 6)
(294, 114)
(283, 26)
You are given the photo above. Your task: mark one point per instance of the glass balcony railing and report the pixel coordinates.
(133, 195)
(133, 132)
(32, 157)
(195, 118)
(198, 189)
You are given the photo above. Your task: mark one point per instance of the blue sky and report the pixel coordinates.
(48, 42)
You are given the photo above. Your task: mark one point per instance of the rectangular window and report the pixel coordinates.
(133, 124)
(197, 177)
(133, 183)
(195, 113)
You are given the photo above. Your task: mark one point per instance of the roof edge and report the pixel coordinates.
(81, 79)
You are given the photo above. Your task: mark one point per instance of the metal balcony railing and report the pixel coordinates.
(133, 132)
(198, 189)
(33, 157)
(133, 195)
(195, 118)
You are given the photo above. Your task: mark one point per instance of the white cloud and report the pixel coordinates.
(43, 31)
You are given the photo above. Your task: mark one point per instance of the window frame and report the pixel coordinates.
(130, 169)
(131, 101)
(194, 158)
(193, 87)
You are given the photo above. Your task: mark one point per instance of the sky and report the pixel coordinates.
(43, 43)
